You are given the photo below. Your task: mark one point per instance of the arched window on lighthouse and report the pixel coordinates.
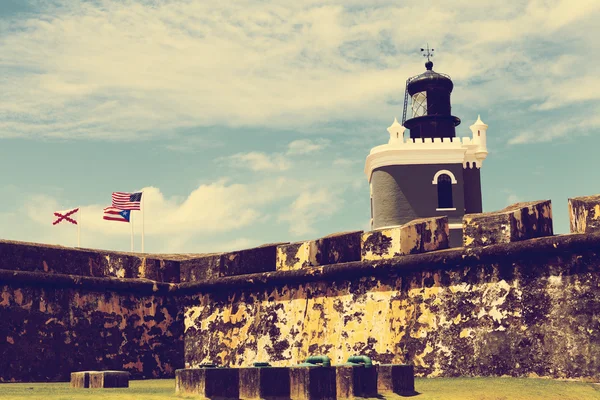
(444, 180)
(444, 187)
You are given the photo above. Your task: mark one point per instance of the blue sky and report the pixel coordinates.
(249, 123)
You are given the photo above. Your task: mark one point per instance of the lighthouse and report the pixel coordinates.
(425, 170)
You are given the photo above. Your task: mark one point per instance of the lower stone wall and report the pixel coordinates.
(521, 309)
(51, 326)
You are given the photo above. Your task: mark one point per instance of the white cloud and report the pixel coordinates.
(545, 133)
(306, 146)
(308, 208)
(258, 161)
(129, 70)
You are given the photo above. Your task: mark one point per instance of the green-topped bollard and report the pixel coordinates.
(262, 381)
(313, 379)
(356, 378)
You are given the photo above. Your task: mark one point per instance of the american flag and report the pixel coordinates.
(126, 201)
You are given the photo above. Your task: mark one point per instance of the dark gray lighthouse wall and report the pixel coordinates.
(472, 182)
(402, 193)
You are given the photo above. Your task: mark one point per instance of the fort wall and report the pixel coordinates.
(515, 300)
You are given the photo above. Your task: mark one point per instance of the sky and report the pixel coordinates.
(249, 122)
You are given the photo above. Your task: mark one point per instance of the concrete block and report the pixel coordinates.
(312, 383)
(332, 249)
(200, 268)
(584, 214)
(249, 261)
(355, 381)
(395, 378)
(339, 248)
(296, 255)
(268, 383)
(80, 379)
(517, 222)
(210, 383)
(159, 270)
(109, 379)
(418, 236)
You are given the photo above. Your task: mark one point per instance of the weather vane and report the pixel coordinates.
(429, 53)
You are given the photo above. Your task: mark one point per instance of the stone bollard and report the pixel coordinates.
(80, 379)
(210, 382)
(309, 381)
(100, 379)
(584, 214)
(109, 379)
(517, 222)
(396, 378)
(356, 378)
(264, 382)
(418, 236)
(331, 249)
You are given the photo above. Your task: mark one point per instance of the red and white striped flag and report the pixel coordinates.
(127, 201)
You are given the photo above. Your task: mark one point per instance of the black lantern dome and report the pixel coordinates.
(430, 94)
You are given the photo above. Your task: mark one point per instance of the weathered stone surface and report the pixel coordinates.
(515, 309)
(109, 379)
(418, 236)
(211, 383)
(159, 270)
(396, 378)
(584, 214)
(355, 381)
(249, 261)
(71, 329)
(312, 383)
(297, 255)
(201, 268)
(268, 383)
(80, 380)
(335, 248)
(516, 222)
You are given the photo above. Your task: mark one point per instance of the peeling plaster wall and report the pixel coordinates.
(521, 309)
(46, 333)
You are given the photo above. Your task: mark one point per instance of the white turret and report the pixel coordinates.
(479, 130)
(396, 133)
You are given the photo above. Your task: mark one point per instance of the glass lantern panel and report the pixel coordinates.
(419, 104)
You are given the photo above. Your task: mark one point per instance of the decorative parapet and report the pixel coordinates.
(407, 151)
(417, 236)
(516, 222)
(584, 214)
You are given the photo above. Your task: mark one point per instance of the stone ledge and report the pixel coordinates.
(520, 221)
(584, 214)
(540, 248)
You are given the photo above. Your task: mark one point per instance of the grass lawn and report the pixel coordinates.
(428, 389)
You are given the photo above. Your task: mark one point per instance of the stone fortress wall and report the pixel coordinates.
(515, 300)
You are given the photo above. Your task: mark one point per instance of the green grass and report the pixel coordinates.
(428, 389)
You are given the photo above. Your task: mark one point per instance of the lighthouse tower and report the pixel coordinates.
(429, 172)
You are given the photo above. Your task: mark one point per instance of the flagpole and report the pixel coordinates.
(79, 227)
(143, 207)
(131, 223)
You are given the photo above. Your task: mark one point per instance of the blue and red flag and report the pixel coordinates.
(116, 214)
